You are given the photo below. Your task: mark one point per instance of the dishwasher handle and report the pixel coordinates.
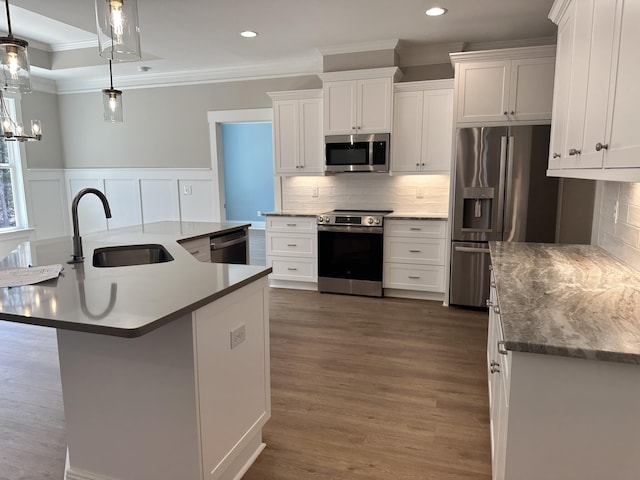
(225, 241)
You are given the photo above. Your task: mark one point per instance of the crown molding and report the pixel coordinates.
(62, 47)
(444, 84)
(557, 10)
(504, 54)
(44, 85)
(298, 67)
(393, 72)
(359, 47)
(502, 44)
(296, 94)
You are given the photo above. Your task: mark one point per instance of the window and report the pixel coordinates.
(12, 205)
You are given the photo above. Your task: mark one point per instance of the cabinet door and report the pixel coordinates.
(483, 92)
(437, 131)
(531, 90)
(622, 136)
(286, 136)
(558, 157)
(406, 145)
(340, 107)
(311, 141)
(374, 105)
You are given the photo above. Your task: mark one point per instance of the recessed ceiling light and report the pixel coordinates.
(249, 34)
(436, 11)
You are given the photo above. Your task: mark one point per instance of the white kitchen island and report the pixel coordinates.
(164, 367)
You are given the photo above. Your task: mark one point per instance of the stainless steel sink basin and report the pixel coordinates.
(126, 255)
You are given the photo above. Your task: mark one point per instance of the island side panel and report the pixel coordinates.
(232, 352)
(572, 419)
(130, 404)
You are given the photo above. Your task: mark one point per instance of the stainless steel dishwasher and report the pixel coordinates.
(230, 247)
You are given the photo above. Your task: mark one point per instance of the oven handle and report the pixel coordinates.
(349, 229)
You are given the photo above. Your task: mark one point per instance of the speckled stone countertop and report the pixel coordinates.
(121, 301)
(569, 300)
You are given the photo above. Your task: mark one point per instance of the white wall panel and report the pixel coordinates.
(124, 200)
(196, 206)
(159, 200)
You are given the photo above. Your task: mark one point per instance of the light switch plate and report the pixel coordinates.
(420, 192)
(314, 192)
(187, 190)
(238, 335)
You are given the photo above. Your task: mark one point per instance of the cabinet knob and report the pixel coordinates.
(496, 309)
(494, 367)
(513, 112)
(556, 155)
(574, 151)
(506, 113)
(423, 164)
(489, 303)
(417, 164)
(600, 146)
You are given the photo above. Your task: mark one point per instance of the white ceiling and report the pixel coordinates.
(199, 39)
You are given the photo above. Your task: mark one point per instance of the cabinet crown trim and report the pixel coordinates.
(393, 72)
(558, 9)
(424, 85)
(295, 94)
(504, 54)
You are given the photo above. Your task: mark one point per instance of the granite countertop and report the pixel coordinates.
(418, 216)
(569, 300)
(121, 301)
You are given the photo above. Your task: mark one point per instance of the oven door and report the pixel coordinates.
(350, 260)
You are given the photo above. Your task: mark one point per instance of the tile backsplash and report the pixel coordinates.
(406, 193)
(619, 232)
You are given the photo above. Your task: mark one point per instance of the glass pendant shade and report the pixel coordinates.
(118, 30)
(14, 65)
(112, 100)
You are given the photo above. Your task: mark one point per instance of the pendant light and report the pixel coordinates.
(14, 61)
(118, 30)
(112, 100)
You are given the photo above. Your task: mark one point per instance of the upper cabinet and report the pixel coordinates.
(358, 101)
(596, 111)
(298, 144)
(508, 86)
(422, 127)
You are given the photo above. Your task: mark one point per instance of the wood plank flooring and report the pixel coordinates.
(362, 388)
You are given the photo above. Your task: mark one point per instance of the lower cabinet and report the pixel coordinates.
(292, 251)
(414, 257)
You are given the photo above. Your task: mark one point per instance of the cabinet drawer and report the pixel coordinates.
(291, 244)
(422, 277)
(427, 251)
(295, 269)
(416, 228)
(291, 224)
(199, 248)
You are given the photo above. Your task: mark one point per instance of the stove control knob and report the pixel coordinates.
(320, 219)
(326, 219)
(370, 221)
(377, 221)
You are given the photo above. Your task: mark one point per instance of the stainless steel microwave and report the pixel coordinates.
(357, 153)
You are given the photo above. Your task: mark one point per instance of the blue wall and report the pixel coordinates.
(248, 170)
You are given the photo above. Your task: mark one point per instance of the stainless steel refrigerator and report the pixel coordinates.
(501, 192)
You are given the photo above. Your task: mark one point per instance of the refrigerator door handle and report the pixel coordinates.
(471, 249)
(508, 213)
(503, 160)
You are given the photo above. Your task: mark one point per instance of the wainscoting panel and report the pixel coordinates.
(196, 200)
(124, 200)
(159, 200)
(48, 208)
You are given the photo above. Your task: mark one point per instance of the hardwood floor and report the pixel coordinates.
(362, 388)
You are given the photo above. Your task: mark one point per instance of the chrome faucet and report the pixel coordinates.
(77, 257)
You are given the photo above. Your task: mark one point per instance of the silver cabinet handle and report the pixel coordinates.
(292, 269)
(556, 155)
(496, 309)
(492, 284)
(195, 252)
(415, 251)
(291, 224)
(415, 229)
(471, 249)
(414, 277)
(600, 146)
(291, 245)
(574, 151)
(501, 348)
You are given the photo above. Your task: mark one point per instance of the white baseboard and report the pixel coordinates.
(413, 294)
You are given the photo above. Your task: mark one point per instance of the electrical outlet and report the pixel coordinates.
(259, 214)
(187, 189)
(420, 192)
(314, 192)
(238, 335)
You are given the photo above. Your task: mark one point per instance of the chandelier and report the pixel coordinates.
(15, 78)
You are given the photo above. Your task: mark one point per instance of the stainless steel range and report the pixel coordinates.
(350, 252)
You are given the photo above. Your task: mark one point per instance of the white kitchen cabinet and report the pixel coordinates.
(596, 110)
(423, 127)
(292, 251)
(199, 248)
(508, 86)
(298, 146)
(358, 101)
(414, 257)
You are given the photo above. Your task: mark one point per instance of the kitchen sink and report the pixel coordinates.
(126, 255)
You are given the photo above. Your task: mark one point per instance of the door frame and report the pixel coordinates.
(216, 119)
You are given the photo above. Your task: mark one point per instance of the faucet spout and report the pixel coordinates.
(77, 256)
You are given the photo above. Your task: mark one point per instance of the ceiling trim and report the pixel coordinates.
(297, 67)
(61, 47)
(359, 47)
(39, 84)
(504, 54)
(498, 45)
